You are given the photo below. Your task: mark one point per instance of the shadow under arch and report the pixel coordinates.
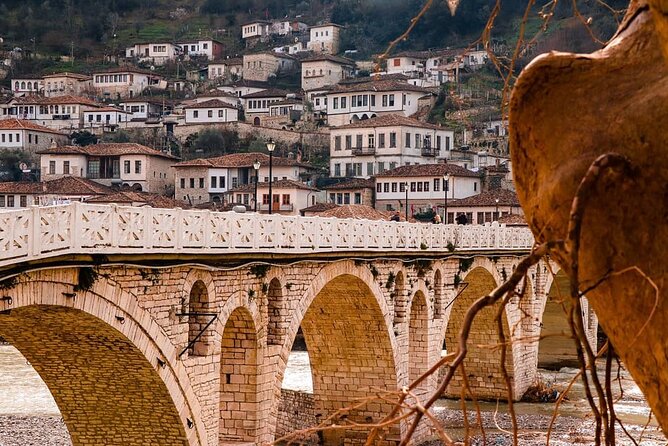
(348, 334)
(556, 348)
(105, 388)
(418, 339)
(482, 363)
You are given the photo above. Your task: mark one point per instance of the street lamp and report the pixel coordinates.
(446, 186)
(271, 145)
(256, 166)
(497, 209)
(406, 187)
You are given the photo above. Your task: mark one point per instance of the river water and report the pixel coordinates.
(23, 393)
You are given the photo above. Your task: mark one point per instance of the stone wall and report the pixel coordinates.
(296, 411)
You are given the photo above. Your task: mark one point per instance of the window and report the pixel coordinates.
(336, 103)
(357, 169)
(349, 142)
(265, 199)
(337, 142)
(381, 167)
(210, 113)
(183, 183)
(201, 183)
(419, 186)
(379, 187)
(394, 187)
(10, 201)
(384, 100)
(381, 140)
(52, 167)
(369, 169)
(337, 170)
(214, 182)
(332, 198)
(393, 140)
(66, 167)
(386, 187)
(373, 100)
(286, 199)
(447, 143)
(339, 198)
(413, 186)
(220, 113)
(346, 198)
(358, 198)
(126, 166)
(438, 142)
(2, 201)
(195, 114)
(358, 141)
(343, 102)
(437, 184)
(372, 141)
(221, 182)
(93, 168)
(192, 183)
(402, 187)
(23, 201)
(138, 167)
(426, 186)
(475, 186)
(393, 165)
(408, 140)
(391, 100)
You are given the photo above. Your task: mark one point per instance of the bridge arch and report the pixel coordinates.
(275, 303)
(419, 357)
(199, 294)
(347, 327)
(100, 354)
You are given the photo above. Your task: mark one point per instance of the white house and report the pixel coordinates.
(289, 196)
(155, 53)
(287, 27)
(425, 187)
(128, 164)
(123, 82)
(26, 86)
(209, 179)
(143, 108)
(243, 87)
(21, 194)
(210, 112)
(324, 38)
(348, 103)
(292, 48)
(485, 207)
(370, 147)
(28, 136)
(258, 29)
(209, 48)
(57, 113)
(228, 68)
(325, 69)
(106, 117)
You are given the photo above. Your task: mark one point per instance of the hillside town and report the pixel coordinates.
(343, 133)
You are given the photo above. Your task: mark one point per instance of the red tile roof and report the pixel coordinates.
(428, 170)
(391, 120)
(506, 198)
(354, 183)
(270, 93)
(211, 103)
(319, 207)
(356, 211)
(106, 149)
(380, 85)
(139, 198)
(66, 185)
(279, 184)
(329, 58)
(22, 124)
(513, 220)
(57, 100)
(241, 160)
(78, 76)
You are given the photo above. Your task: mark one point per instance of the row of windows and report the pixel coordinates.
(209, 113)
(98, 117)
(159, 48)
(363, 100)
(322, 33)
(135, 108)
(420, 141)
(23, 86)
(355, 169)
(264, 103)
(415, 186)
(344, 198)
(9, 201)
(10, 137)
(55, 109)
(309, 72)
(112, 78)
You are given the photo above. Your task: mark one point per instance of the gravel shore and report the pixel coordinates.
(20, 430)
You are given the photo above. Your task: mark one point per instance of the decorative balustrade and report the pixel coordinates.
(77, 228)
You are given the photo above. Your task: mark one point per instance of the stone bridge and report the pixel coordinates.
(157, 326)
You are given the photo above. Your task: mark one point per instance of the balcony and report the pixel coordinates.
(61, 117)
(430, 152)
(364, 150)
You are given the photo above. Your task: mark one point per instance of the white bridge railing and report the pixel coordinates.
(77, 228)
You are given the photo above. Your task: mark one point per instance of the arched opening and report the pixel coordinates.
(418, 338)
(277, 325)
(400, 299)
(98, 377)
(198, 340)
(556, 348)
(351, 354)
(483, 361)
(364, 117)
(137, 187)
(238, 378)
(438, 295)
(354, 119)
(256, 121)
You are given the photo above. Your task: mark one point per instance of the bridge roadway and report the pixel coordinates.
(169, 326)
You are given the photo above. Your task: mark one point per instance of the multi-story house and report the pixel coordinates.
(209, 179)
(26, 86)
(289, 196)
(352, 191)
(126, 164)
(325, 38)
(209, 48)
(228, 69)
(263, 66)
(67, 84)
(348, 103)
(257, 105)
(325, 69)
(106, 117)
(144, 108)
(21, 194)
(257, 29)
(287, 27)
(244, 86)
(123, 82)
(28, 137)
(211, 112)
(370, 147)
(485, 207)
(155, 53)
(57, 113)
(424, 186)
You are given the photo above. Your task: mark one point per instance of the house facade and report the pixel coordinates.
(62, 190)
(487, 207)
(123, 82)
(155, 53)
(262, 66)
(228, 69)
(353, 191)
(67, 84)
(106, 117)
(209, 48)
(257, 106)
(28, 137)
(209, 179)
(423, 184)
(321, 70)
(120, 164)
(325, 38)
(348, 103)
(56, 113)
(370, 147)
(258, 29)
(211, 112)
(26, 86)
(143, 108)
(289, 196)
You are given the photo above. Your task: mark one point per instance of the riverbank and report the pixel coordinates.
(25, 430)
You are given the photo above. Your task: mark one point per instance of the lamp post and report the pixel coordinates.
(497, 209)
(256, 166)
(446, 186)
(271, 145)
(406, 187)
